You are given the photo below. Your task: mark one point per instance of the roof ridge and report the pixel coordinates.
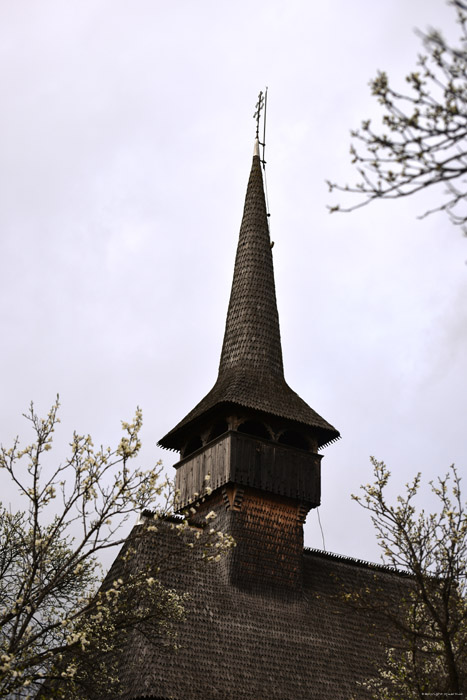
(355, 562)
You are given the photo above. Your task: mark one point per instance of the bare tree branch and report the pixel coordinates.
(423, 143)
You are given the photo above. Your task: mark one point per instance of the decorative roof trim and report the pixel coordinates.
(310, 551)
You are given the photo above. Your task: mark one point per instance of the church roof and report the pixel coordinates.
(314, 645)
(251, 372)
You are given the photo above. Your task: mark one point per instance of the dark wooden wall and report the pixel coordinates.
(250, 461)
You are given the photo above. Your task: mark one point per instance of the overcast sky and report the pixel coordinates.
(127, 137)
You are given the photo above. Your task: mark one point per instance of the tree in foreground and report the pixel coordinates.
(59, 629)
(423, 141)
(428, 654)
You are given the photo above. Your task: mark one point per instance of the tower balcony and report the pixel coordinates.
(246, 460)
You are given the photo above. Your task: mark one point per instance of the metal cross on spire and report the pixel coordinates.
(261, 106)
(257, 114)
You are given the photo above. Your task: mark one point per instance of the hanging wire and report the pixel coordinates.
(267, 200)
(321, 528)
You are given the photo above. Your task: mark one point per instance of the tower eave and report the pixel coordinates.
(307, 419)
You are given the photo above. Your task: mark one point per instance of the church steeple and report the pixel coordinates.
(251, 373)
(253, 437)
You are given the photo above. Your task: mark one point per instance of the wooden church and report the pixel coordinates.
(270, 619)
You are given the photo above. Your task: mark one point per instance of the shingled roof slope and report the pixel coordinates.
(251, 372)
(312, 645)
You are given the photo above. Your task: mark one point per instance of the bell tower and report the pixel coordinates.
(250, 447)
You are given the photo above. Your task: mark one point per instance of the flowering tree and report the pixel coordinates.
(58, 629)
(423, 142)
(429, 654)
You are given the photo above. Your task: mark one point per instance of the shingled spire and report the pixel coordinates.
(251, 373)
(252, 342)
